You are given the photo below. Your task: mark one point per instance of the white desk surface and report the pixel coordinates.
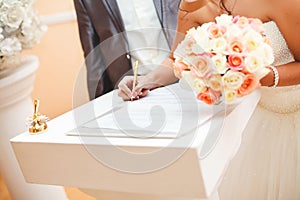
(59, 159)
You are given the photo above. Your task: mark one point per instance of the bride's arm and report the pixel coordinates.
(286, 15)
(289, 74)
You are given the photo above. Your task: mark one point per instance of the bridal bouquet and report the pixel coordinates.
(20, 28)
(224, 60)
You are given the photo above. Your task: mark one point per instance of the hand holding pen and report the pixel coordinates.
(134, 87)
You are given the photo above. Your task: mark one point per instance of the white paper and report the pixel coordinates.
(166, 112)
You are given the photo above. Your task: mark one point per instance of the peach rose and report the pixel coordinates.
(241, 21)
(178, 67)
(201, 66)
(209, 96)
(215, 31)
(236, 46)
(185, 48)
(215, 82)
(236, 62)
(250, 84)
(257, 25)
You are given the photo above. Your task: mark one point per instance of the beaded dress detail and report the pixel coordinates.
(267, 166)
(282, 99)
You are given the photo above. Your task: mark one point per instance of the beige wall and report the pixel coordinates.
(61, 60)
(61, 65)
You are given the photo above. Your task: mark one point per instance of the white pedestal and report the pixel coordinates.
(56, 158)
(15, 106)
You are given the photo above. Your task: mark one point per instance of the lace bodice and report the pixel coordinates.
(281, 99)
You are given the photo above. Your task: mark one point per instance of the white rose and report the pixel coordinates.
(261, 72)
(230, 96)
(197, 85)
(252, 39)
(233, 31)
(219, 61)
(224, 19)
(233, 80)
(9, 46)
(197, 49)
(218, 44)
(201, 37)
(191, 32)
(254, 62)
(10, 3)
(266, 52)
(28, 2)
(13, 17)
(178, 53)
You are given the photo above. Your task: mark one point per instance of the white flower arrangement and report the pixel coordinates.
(20, 28)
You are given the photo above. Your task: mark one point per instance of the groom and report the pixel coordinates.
(102, 21)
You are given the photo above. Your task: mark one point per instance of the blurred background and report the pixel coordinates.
(61, 65)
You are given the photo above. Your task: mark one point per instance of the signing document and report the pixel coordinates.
(167, 112)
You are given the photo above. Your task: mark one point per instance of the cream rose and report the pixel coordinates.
(241, 21)
(196, 84)
(215, 82)
(252, 39)
(230, 96)
(233, 80)
(219, 61)
(254, 62)
(199, 85)
(218, 45)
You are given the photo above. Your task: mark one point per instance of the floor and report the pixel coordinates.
(3, 191)
(72, 193)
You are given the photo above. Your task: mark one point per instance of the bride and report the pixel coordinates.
(267, 166)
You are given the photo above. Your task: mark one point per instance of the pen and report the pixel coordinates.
(135, 74)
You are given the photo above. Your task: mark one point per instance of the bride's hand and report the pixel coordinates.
(141, 89)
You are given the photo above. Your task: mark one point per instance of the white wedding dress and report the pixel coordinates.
(267, 166)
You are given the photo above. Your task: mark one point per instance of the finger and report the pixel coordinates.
(141, 85)
(144, 93)
(124, 85)
(123, 95)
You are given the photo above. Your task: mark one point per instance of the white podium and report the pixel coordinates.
(189, 166)
(16, 85)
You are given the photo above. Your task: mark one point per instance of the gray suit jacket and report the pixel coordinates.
(106, 50)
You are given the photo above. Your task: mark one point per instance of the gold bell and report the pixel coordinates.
(37, 122)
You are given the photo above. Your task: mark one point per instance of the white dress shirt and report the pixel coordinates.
(147, 42)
